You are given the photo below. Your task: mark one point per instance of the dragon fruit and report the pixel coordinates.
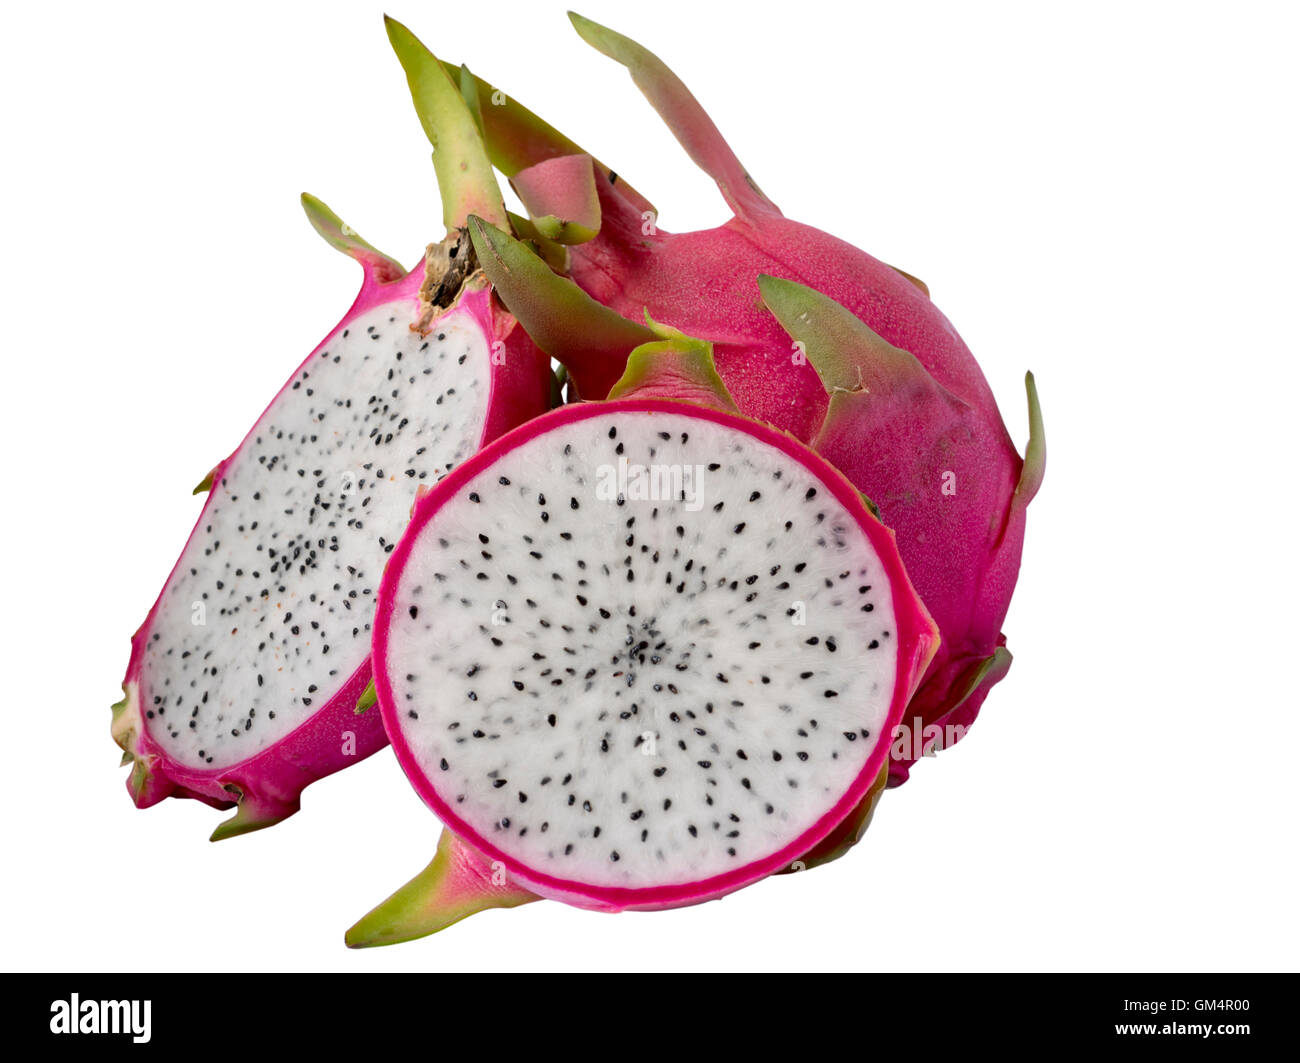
(243, 678)
(811, 335)
(638, 654)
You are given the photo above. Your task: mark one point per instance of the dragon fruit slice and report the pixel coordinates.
(243, 678)
(945, 472)
(638, 654)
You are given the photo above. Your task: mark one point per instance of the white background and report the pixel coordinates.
(1105, 194)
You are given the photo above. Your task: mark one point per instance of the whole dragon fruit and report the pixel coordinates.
(811, 335)
(243, 678)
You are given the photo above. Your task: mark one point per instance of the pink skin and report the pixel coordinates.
(703, 284)
(267, 786)
(916, 642)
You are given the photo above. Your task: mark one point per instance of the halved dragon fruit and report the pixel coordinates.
(243, 678)
(638, 654)
(847, 353)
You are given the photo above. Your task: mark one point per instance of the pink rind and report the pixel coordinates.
(916, 634)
